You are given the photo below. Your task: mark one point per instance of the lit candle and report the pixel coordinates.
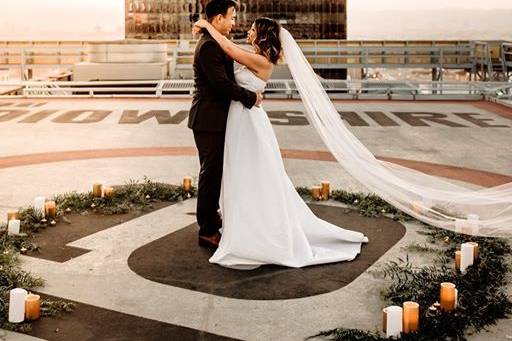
(50, 209)
(97, 189)
(187, 183)
(411, 321)
(13, 227)
(466, 256)
(32, 307)
(457, 260)
(447, 296)
(12, 215)
(384, 319)
(476, 250)
(17, 305)
(39, 204)
(316, 192)
(325, 190)
(108, 192)
(394, 321)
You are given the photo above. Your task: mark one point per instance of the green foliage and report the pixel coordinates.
(130, 196)
(368, 205)
(12, 276)
(423, 248)
(304, 192)
(482, 290)
(348, 334)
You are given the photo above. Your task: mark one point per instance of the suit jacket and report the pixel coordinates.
(214, 87)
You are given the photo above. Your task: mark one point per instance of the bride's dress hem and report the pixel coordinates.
(265, 220)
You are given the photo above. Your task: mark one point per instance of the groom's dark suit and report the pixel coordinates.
(215, 88)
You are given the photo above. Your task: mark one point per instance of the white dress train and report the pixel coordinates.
(265, 221)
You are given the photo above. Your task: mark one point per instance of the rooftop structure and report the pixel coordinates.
(306, 19)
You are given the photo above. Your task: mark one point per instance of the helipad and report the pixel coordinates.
(56, 145)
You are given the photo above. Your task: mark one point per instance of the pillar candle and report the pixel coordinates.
(411, 317)
(17, 305)
(466, 256)
(97, 189)
(13, 227)
(12, 215)
(39, 204)
(457, 260)
(187, 183)
(325, 190)
(476, 250)
(384, 319)
(32, 307)
(316, 192)
(50, 209)
(394, 321)
(447, 296)
(108, 192)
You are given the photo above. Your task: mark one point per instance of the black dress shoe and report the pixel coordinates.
(209, 242)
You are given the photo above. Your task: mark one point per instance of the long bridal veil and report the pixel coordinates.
(485, 212)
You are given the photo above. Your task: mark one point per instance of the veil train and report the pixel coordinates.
(486, 212)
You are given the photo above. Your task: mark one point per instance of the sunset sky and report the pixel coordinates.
(62, 19)
(104, 19)
(430, 4)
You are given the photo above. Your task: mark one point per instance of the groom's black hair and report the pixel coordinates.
(216, 7)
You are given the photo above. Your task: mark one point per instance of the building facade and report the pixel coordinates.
(172, 19)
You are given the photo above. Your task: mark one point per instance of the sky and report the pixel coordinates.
(430, 4)
(104, 19)
(62, 19)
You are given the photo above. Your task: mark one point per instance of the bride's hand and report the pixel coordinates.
(201, 23)
(196, 30)
(198, 26)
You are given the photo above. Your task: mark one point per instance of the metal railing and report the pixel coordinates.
(475, 57)
(456, 57)
(278, 88)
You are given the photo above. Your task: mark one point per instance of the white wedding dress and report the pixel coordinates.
(265, 221)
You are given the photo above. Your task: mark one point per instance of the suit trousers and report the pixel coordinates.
(210, 146)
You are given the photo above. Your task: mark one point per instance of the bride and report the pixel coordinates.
(265, 221)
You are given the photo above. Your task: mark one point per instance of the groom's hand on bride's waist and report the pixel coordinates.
(259, 99)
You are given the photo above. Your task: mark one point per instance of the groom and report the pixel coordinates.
(215, 88)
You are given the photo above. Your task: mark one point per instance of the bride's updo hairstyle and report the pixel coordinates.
(267, 40)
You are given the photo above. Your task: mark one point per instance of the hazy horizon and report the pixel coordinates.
(430, 24)
(431, 4)
(31, 19)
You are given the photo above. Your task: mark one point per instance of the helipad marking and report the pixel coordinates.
(473, 176)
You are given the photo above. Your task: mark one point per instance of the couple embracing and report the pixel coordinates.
(247, 208)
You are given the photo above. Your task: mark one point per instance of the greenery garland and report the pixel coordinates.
(482, 296)
(481, 290)
(368, 205)
(130, 196)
